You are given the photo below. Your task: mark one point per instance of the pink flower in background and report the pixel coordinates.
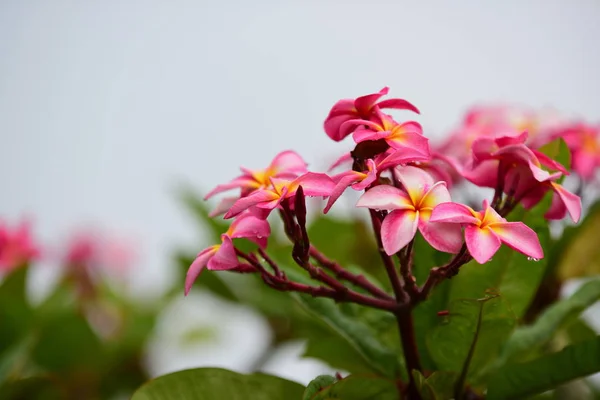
(584, 142)
(96, 249)
(286, 165)
(485, 231)
(359, 108)
(411, 210)
(267, 199)
(382, 126)
(222, 256)
(17, 247)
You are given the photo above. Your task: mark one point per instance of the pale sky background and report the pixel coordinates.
(105, 106)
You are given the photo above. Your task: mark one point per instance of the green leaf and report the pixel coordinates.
(437, 386)
(558, 151)
(358, 335)
(451, 341)
(514, 381)
(359, 387)
(529, 338)
(217, 384)
(318, 384)
(15, 312)
(336, 352)
(34, 388)
(509, 273)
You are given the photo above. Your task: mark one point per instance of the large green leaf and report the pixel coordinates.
(515, 381)
(471, 335)
(359, 387)
(377, 357)
(15, 312)
(318, 384)
(218, 384)
(513, 275)
(336, 352)
(437, 386)
(528, 338)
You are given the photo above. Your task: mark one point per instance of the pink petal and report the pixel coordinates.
(313, 184)
(397, 104)
(197, 266)
(364, 103)
(516, 138)
(369, 178)
(585, 163)
(353, 124)
(437, 194)
(571, 201)
(288, 161)
(402, 156)
(411, 140)
(520, 237)
(550, 163)
(442, 236)
(346, 158)
(484, 174)
(362, 135)
(415, 181)
(455, 213)
(398, 229)
(225, 257)
(481, 243)
(255, 198)
(385, 197)
(341, 112)
(223, 206)
(339, 188)
(248, 226)
(239, 182)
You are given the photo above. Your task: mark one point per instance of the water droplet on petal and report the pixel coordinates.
(533, 259)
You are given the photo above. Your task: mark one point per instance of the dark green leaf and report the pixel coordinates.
(317, 384)
(558, 151)
(359, 336)
(336, 352)
(15, 312)
(217, 384)
(514, 381)
(34, 388)
(528, 338)
(359, 387)
(437, 386)
(450, 342)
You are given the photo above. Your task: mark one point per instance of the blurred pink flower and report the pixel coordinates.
(17, 246)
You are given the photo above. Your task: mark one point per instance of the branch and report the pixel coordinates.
(405, 256)
(437, 274)
(341, 273)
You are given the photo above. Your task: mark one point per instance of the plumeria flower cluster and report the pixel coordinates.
(17, 246)
(405, 185)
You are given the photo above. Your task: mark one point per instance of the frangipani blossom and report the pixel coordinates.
(486, 230)
(222, 256)
(286, 165)
(313, 184)
(411, 210)
(584, 142)
(382, 126)
(16, 246)
(359, 108)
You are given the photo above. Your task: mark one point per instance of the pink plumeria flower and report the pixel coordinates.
(222, 256)
(411, 210)
(359, 108)
(584, 142)
(361, 180)
(486, 230)
(286, 165)
(313, 184)
(529, 192)
(17, 246)
(382, 126)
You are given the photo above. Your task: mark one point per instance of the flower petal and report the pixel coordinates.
(340, 187)
(364, 103)
(520, 237)
(398, 104)
(571, 201)
(401, 156)
(197, 266)
(442, 236)
(437, 194)
(481, 243)
(225, 257)
(455, 213)
(362, 135)
(288, 161)
(367, 179)
(341, 112)
(385, 197)
(398, 229)
(346, 158)
(412, 140)
(244, 181)
(313, 184)
(260, 196)
(415, 181)
(223, 206)
(248, 226)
